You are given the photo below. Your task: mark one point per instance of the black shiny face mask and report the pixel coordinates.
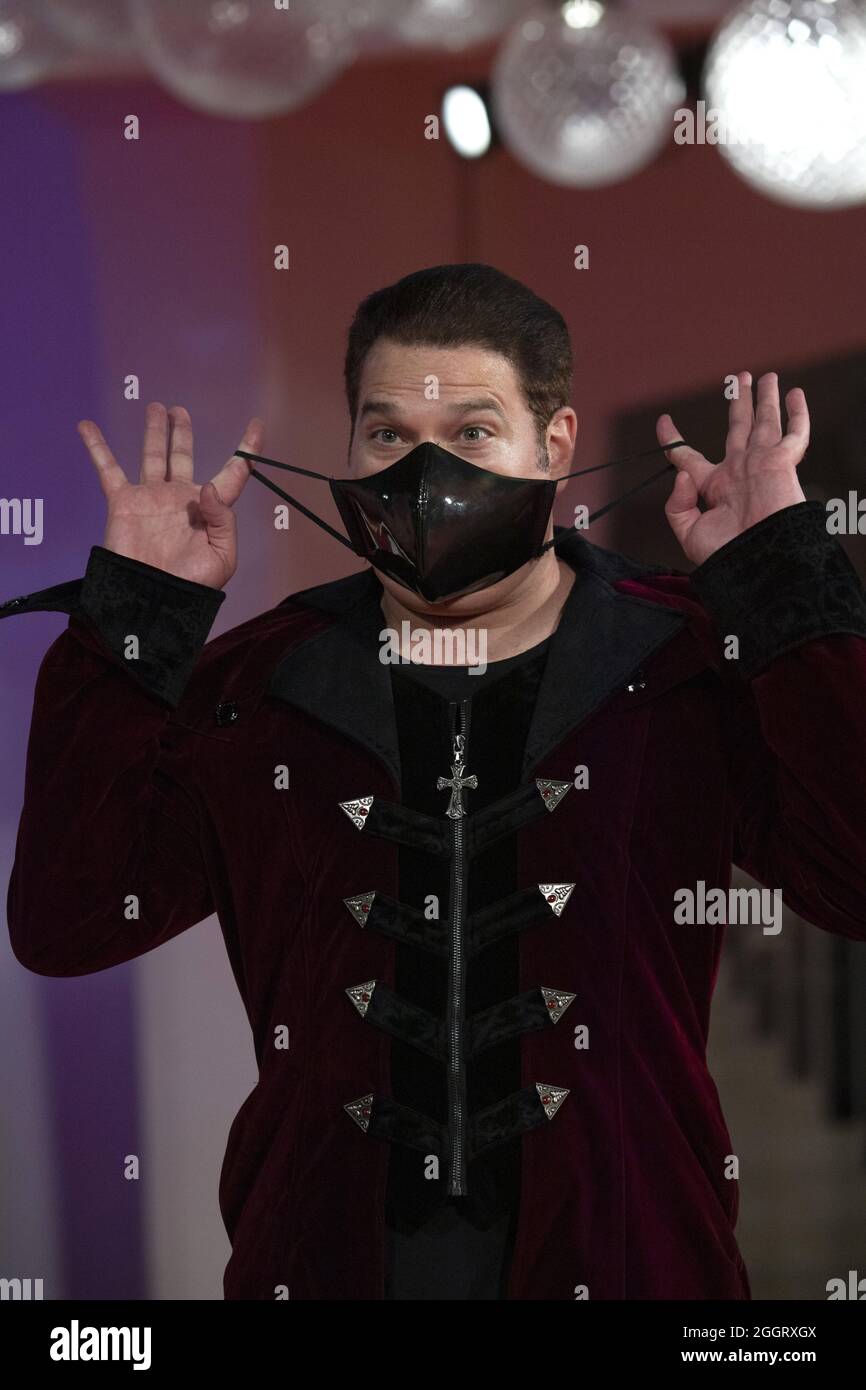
(440, 525)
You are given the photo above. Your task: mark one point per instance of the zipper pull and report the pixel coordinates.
(457, 781)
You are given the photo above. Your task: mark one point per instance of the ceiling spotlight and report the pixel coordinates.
(466, 118)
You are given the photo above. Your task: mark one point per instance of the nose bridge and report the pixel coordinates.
(426, 450)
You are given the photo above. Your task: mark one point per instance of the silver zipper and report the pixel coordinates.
(457, 1184)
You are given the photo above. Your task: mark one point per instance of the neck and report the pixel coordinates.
(513, 615)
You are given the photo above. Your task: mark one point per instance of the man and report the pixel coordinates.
(449, 896)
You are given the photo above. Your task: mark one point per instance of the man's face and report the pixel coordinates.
(467, 400)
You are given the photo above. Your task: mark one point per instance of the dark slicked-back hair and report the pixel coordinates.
(459, 305)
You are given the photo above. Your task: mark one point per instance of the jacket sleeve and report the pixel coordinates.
(797, 751)
(108, 861)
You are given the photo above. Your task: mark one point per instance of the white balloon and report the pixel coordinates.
(584, 95)
(30, 47)
(785, 81)
(242, 58)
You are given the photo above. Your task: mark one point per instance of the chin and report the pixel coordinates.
(464, 605)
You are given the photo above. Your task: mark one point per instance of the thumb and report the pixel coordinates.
(681, 508)
(684, 493)
(216, 515)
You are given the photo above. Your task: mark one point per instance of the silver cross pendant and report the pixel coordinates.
(456, 782)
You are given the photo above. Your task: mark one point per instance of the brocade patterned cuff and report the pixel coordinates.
(783, 582)
(120, 598)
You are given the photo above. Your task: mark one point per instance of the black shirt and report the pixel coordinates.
(440, 1247)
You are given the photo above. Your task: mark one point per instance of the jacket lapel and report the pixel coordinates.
(603, 636)
(336, 675)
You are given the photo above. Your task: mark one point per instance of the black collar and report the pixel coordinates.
(602, 638)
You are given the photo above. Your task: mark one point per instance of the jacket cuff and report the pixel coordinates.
(783, 582)
(121, 598)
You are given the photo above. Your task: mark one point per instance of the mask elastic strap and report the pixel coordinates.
(293, 468)
(311, 473)
(629, 458)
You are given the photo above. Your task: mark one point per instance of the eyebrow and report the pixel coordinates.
(384, 407)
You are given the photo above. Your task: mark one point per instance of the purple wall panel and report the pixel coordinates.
(117, 258)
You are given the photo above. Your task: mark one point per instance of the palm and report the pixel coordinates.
(161, 521)
(167, 520)
(758, 475)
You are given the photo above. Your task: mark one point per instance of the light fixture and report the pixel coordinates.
(786, 82)
(584, 92)
(466, 120)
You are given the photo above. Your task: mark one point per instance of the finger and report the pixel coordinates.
(685, 457)
(108, 470)
(740, 417)
(233, 476)
(768, 419)
(799, 426)
(155, 444)
(180, 465)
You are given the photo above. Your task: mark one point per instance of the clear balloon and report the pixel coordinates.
(583, 94)
(102, 25)
(374, 23)
(366, 21)
(242, 58)
(30, 47)
(454, 24)
(785, 85)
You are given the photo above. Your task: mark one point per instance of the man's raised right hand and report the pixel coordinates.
(166, 519)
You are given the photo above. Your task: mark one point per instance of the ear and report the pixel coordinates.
(561, 436)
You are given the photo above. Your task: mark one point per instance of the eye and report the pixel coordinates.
(483, 428)
(384, 429)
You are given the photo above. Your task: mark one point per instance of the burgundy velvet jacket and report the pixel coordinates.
(172, 762)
